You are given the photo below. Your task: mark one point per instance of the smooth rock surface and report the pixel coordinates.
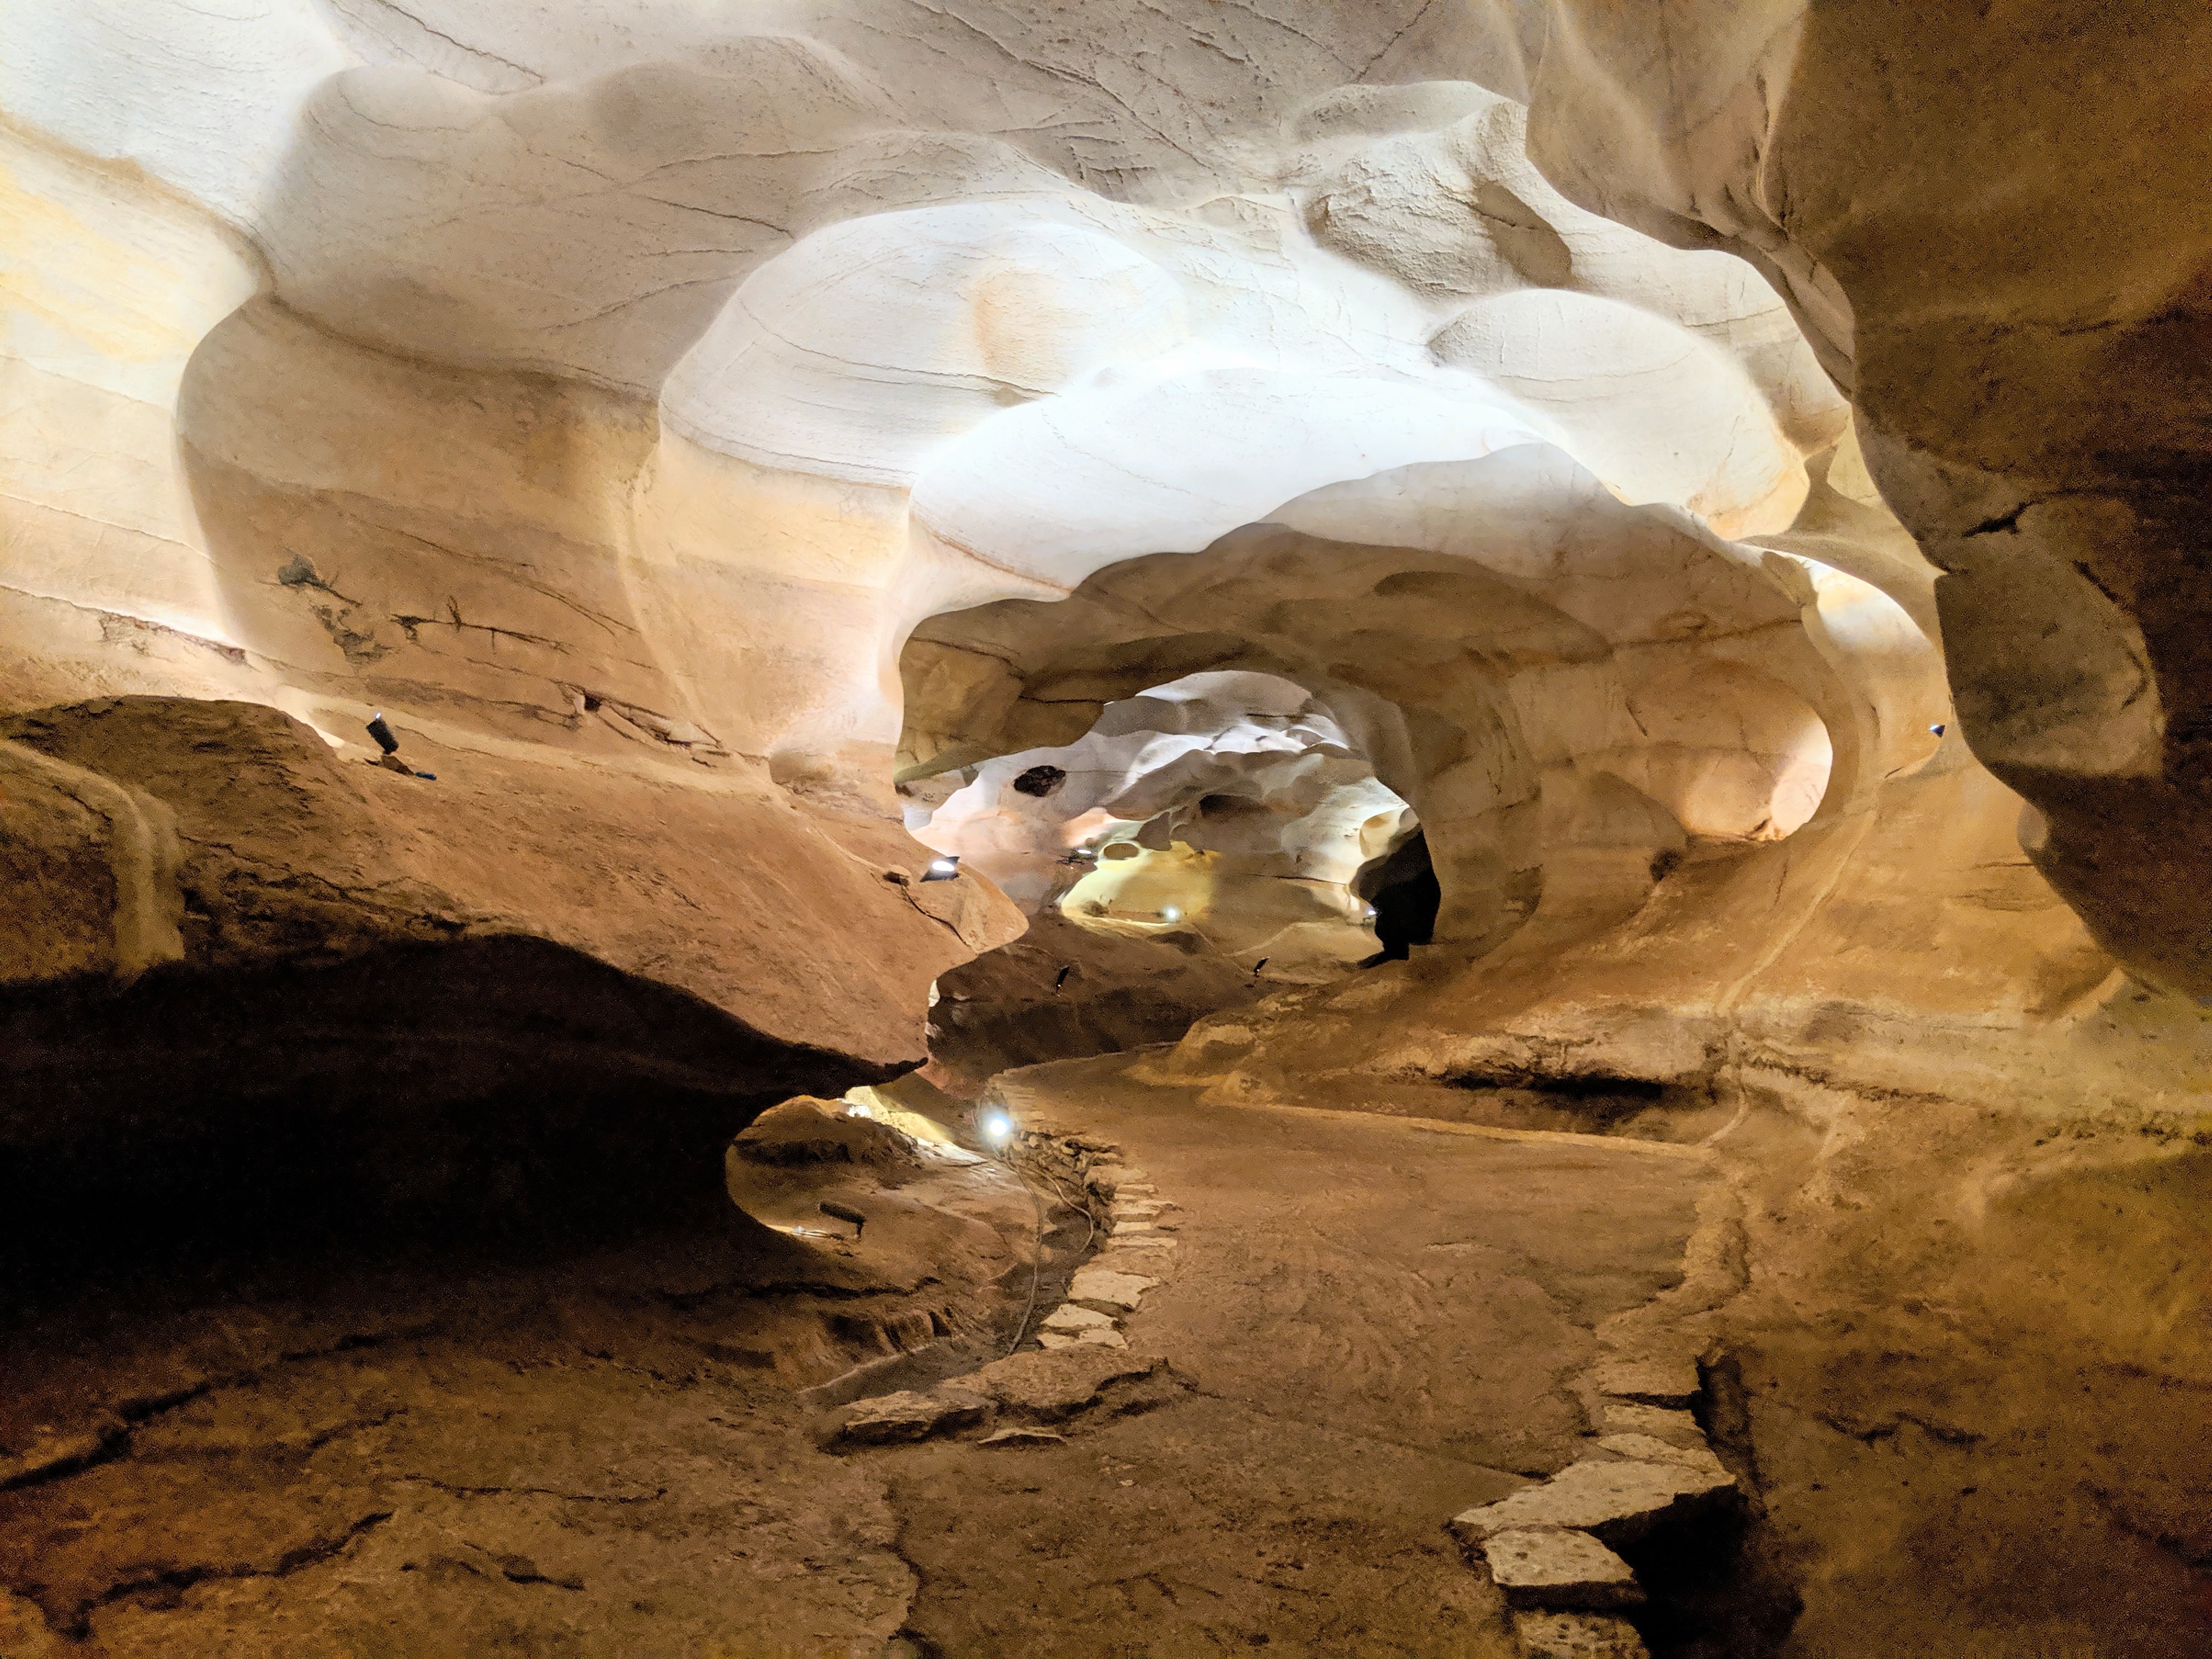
(1554, 1568)
(1108, 1289)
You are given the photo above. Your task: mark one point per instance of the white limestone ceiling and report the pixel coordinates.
(918, 306)
(580, 188)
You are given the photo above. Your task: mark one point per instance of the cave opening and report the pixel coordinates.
(1402, 889)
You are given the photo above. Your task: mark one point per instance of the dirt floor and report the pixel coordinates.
(598, 1447)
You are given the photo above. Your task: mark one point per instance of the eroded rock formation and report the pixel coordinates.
(1627, 571)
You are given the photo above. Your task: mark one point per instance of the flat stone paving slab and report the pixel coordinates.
(1619, 1502)
(1679, 1427)
(1547, 1568)
(910, 1415)
(1073, 1320)
(1055, 1382)
(1673, 1383)
(1578, 1636)
(1094, 1285)
(1643, 1448)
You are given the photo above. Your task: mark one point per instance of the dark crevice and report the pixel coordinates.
(1723, 1585)
(1403, 888)
(165, 1588)
(2005, 523)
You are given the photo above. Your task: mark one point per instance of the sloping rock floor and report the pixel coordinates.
(1310, 1340)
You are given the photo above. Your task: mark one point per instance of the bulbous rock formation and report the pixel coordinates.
(1545, 567)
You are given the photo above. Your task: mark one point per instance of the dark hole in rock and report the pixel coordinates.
(1402, 887)
(1637, 1108)
(1570, 1088)
(1040, 781)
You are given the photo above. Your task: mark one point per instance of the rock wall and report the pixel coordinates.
(2017, 312)
(1733, 472)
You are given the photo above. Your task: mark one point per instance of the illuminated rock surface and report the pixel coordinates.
(1528, 574)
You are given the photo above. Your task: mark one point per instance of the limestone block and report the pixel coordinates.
(1670, 1384)
(1018, 1435)
(1556, 1568)
(1642, 1448)
(1104, 1288)
(910, 1415)
(1677, 1428)
(1072, 1320)
(1618, 1502)
(1578, 1636)
(1056, 1383)
(1137, 1209)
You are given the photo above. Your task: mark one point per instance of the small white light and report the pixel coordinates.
(1170, 914)
(858, 1110)
(997, 1128)
(944, 869)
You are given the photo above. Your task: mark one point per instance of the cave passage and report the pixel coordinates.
(1403, 888)
(1334, 830)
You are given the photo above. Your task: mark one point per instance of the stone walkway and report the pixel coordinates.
(1368, 1326)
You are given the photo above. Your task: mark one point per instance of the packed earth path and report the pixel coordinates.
(1370, 1324)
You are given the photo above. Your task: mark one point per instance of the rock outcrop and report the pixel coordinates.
(237, 933)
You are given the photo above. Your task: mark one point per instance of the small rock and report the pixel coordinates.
(806, 1129)
(1676, 1428)
(1054, 1339)
(1105, 1337)
(1103, 1287)
(1643, 1448)
(1023, 1436)
(1619, 1502)
(1555, 1569)
(1051, 1385)
(1124, 1229)
(892, 1417)
(1669, 1383)
(1074, 1321)
(1578, 1636)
